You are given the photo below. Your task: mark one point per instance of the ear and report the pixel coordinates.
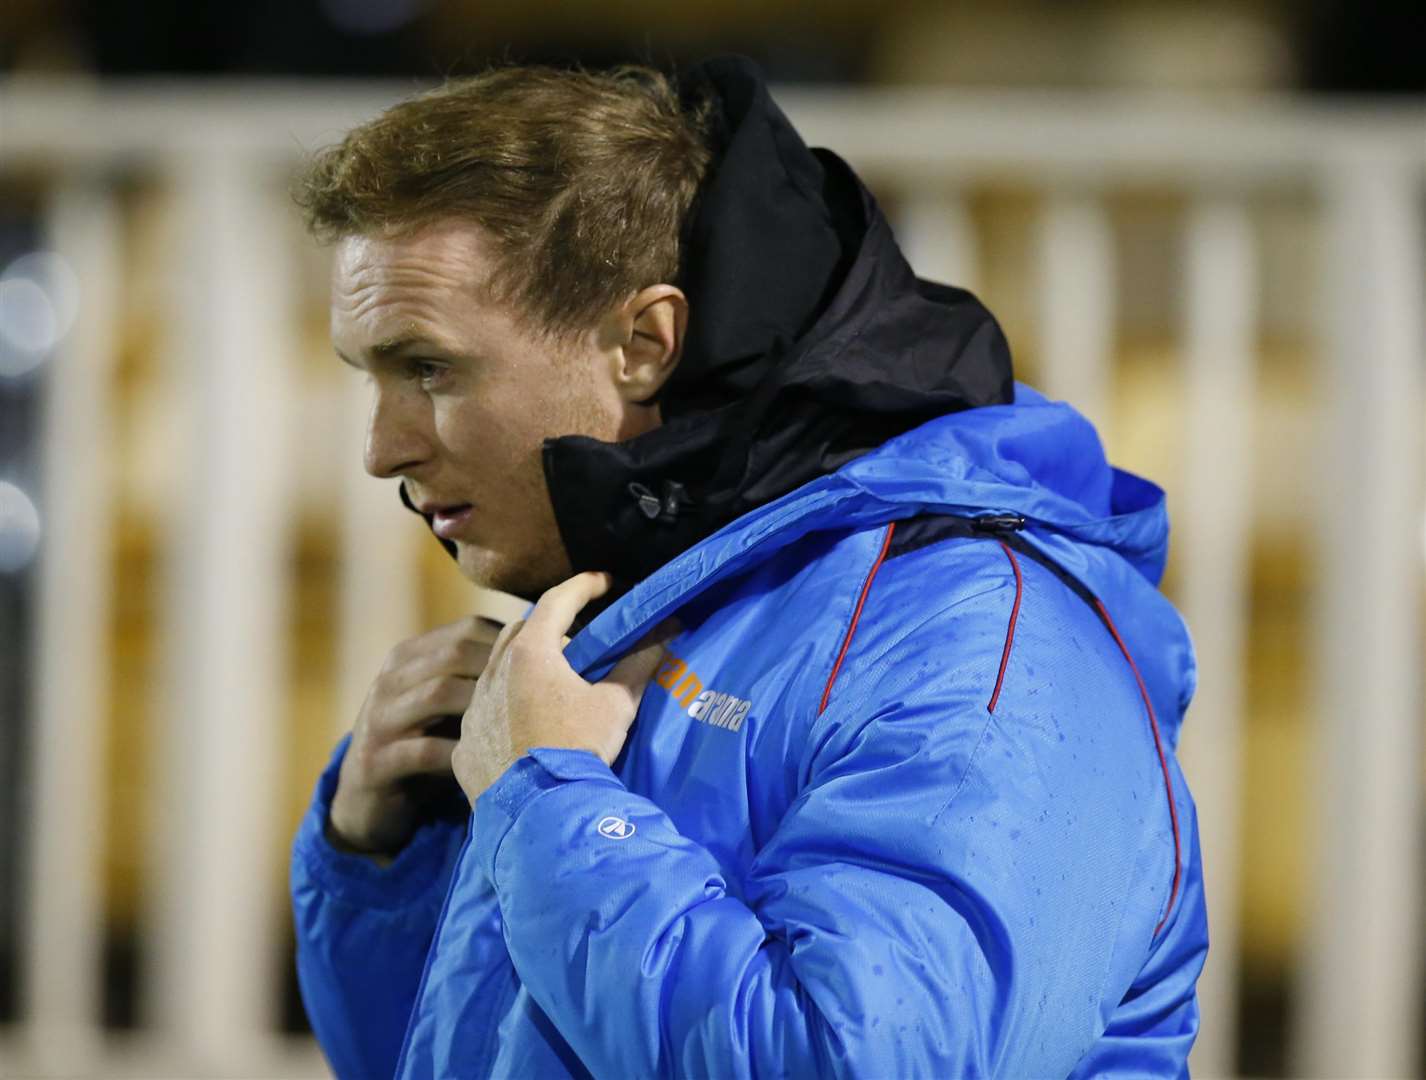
(651, 327)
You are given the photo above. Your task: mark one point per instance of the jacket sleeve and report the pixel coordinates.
(954, 892)
(363, 933)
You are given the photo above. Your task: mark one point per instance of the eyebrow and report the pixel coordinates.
(390, 347)
(394, 345)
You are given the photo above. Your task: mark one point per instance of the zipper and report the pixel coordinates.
(991, 524)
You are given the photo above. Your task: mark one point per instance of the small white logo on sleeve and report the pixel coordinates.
(613, 828)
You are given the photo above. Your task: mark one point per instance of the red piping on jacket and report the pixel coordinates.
(856, 616)
(1163, 761)
(1009, 630)
(1000, 679)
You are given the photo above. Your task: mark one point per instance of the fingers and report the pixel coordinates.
(386, 716)
(556, 611)
(444, 695)
(476, 628)
(426, 755)
(503, 641)
(459, 659)
(635, 670)
(473, 630)
(461, 648)
(458, 648)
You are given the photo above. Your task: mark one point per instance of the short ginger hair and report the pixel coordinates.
(583, 180)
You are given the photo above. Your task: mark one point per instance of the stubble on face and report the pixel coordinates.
(523, 554)
(474, 433)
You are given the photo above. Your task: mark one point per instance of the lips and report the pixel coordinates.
(448, 519)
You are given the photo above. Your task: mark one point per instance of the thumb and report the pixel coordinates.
(635, 670)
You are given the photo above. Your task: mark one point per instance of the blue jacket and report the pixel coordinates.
(902, 801)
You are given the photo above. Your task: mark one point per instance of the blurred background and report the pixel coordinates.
(1200, 222)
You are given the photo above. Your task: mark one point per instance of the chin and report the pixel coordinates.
(496, 570)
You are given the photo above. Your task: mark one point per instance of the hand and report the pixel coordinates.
(530, 696)
(398, 739)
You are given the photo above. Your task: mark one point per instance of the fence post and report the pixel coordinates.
(225, 643)
(1360, 994)
(1214, 526)
(64, 901)
(937, 236)
(1077, 304)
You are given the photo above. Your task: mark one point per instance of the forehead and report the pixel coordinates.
(434, 278)
(450, 256)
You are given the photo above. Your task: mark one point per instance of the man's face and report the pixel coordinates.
(463, 395)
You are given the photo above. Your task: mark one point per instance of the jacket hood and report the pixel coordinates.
(810, 342)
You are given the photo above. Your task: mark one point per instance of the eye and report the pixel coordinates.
(427, 372)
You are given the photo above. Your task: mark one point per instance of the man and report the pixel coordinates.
(866, 767)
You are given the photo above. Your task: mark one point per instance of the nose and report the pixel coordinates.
(395, 443)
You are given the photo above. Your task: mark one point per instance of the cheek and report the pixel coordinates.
(508, 431)
(474, 434)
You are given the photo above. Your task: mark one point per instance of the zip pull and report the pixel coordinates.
(649, 504)
(665, 510)
(996, 523)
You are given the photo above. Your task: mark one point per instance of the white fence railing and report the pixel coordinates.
(232, 343)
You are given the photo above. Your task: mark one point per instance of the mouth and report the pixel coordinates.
(447, 519)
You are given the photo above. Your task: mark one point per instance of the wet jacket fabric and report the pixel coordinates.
(902, 799)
